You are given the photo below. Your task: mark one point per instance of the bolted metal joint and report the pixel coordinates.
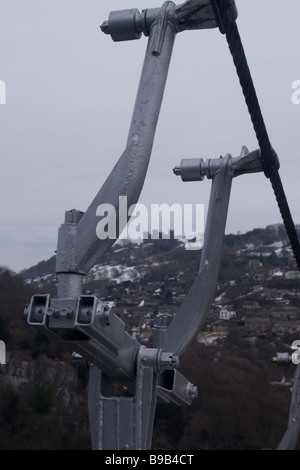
(282, 358)
(190, 169)
(159, 330)
(162, 320)
(103, 315)
(129, 24)
(66, 312)
(167, 361)
(195, 169)
(159, 360)
(123, 25)
(36, 310)
(52, 312)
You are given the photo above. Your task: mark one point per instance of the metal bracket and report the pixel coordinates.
(126, 422)
(196, 169)
(126, 25)
(290, 437)
(118, 362)
(192, 313)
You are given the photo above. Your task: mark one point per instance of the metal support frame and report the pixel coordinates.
(290, 437)
(124, 422)
(126, 378)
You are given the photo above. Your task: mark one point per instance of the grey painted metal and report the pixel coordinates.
(159, 330)
(123, 422)
(129, 24)
(84, 248)
(79, 248)
(196, 14)
(97, 336)
(69, 285)
(193, 311)
(290, 438)
(89, 328)
(195, 169)
(83, 322)
(173, 387)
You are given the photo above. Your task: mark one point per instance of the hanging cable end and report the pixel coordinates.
(225, 10)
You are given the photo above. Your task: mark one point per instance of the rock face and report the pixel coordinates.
(43, 404)
(23, 373)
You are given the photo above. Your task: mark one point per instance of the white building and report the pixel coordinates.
(226, 314)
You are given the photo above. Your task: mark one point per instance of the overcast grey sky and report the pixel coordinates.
(70, 92)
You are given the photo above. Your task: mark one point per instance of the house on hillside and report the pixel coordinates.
(250, 305)
(220, 326)
(258, 325)
(285, 313)
(226, 314)
(282, 327)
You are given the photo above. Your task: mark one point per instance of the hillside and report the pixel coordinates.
(243, 400)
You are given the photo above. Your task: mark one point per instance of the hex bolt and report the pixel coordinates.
(123, 25)
(190, 169)
(85, 314)
(167, 361)
(163, 320)
(52, 312)
(174, 362)
(103, 316)
(159, 360)
(105, 27)
(66, 312)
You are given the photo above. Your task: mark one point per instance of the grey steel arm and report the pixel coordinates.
(85, 324)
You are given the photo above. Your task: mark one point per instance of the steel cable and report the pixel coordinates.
(270, 162)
